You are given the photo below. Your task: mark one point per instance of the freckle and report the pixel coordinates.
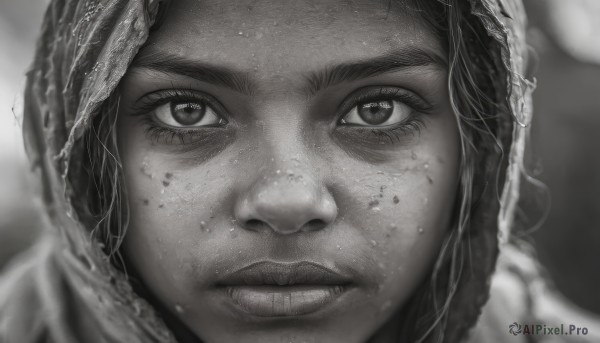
(146, 202)
(169, 175)
(161, 205)
(373, 203)
(166, 183)
(396, 199)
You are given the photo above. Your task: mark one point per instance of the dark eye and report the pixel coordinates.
(377, 113)
(187, 114)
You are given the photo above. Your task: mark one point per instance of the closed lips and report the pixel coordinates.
(271, 289)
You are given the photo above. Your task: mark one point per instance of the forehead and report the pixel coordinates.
(289, 35)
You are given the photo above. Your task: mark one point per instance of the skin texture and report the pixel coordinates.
(284, 179)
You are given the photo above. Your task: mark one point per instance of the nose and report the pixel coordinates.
(287, 202)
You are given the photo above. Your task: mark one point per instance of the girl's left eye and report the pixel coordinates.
(377, 113)
(187, 114)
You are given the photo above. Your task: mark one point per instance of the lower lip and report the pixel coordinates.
(283, 301)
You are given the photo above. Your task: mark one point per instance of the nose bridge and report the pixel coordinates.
(287, 195)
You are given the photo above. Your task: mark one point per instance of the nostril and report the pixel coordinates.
(255, 225)
(314, 225)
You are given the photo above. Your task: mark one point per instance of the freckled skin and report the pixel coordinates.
(249, 191)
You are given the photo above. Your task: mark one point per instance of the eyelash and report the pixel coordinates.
(163, 134)
(386, 134)
(160, 133)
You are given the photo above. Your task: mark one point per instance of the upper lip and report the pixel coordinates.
(283, 274)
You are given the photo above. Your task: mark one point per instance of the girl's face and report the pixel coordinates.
(291, 166)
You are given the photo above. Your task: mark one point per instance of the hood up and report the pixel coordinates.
(85, 49)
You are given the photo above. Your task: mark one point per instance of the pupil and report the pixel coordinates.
(188, 113)
(375, 113)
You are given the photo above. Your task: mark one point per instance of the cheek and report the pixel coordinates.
(401, 209)
(174, 205)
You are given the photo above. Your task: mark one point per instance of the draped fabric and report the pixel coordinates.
(65, 289)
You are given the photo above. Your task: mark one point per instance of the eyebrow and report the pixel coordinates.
(217, 75)
(241, 81)
(396, 60)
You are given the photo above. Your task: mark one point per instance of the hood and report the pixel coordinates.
(84, 51)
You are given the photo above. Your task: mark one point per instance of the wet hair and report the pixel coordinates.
(477, 99)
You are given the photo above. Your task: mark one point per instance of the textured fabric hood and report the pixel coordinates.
(84, 51)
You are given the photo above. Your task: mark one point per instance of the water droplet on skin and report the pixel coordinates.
(420, 230)
(145, 168)
(231, 230)
(278, 172)
(373, 243)
(179, 309)
(373, 203)
(162, 191)
(338, 247)
(203, 226)
(240, 33)
(426, 166)
(396, 199)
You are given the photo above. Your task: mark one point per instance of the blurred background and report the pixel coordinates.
(565, 138)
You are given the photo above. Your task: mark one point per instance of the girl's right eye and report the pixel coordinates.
(187, 114)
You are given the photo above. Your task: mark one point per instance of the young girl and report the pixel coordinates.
(270, 171)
